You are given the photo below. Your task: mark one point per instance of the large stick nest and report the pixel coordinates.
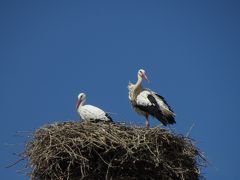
(78, 150)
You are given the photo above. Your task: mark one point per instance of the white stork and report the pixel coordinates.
(146, 102)
(89, 112)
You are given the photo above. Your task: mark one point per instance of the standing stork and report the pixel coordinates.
(146, 102)
(89, 112)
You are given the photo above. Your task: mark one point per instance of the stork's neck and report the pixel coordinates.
(137, 88)
(82, 103)
(139, 83)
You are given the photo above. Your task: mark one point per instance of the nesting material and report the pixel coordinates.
(78, 150)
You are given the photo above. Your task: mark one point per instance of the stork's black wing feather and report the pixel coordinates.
(109, 117)
(153, 109)
(162, 98)
(101, 120)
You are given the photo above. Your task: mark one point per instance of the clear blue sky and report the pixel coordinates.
(52, 50)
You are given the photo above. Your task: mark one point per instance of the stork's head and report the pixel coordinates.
(81, 99)
(142, 74)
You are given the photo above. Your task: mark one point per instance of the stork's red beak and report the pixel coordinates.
(145, 77)
(78, 103)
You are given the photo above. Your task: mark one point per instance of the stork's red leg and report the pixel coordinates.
(147, 121)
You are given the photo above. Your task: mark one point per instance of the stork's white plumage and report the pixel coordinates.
(89, 112)
(146, 102)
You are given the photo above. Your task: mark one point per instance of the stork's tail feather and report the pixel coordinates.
(166, 118)
(109, 117)
(171, 120)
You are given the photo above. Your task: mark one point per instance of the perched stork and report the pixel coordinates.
(89, 112)
(146, 102)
